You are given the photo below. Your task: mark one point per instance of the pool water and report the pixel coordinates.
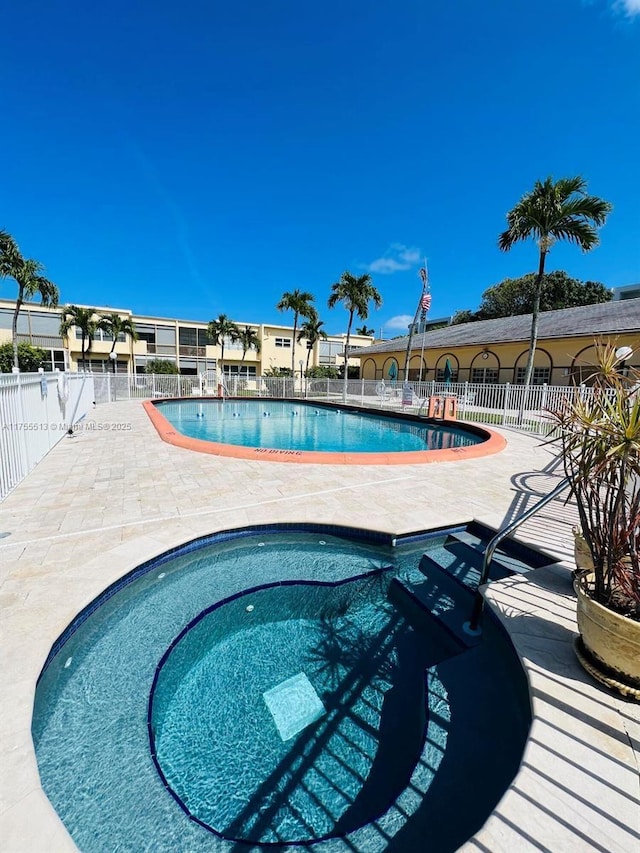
(306, 426)
(362, 673)
(267, 689)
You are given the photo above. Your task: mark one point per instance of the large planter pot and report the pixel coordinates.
(611, 643)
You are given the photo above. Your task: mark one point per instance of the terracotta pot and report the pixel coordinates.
(612, 640)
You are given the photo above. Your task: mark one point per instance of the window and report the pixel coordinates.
(146, 333)
(44, 324)
(283, 343)
(540, 375)
(246, 371)
(485, 375)
(328, 350)
(187, 336)
(166, 336)
(440, 377)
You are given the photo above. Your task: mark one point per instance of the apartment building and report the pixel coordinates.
(183, 342)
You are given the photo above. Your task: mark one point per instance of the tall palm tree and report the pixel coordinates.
(355, 293)
(312, 332)
(117, 325)
(249, 339)
(27, 273)
(298, 301)
(551, 212)
(219, 330)
(82, 319)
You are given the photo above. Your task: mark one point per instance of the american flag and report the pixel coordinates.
(425, 302)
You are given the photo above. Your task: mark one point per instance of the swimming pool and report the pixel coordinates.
(266, 686)
(313, 432)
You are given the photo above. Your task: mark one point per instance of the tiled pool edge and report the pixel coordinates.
(167, 432)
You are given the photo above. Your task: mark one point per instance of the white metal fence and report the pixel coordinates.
(502, 405)
(36, 411)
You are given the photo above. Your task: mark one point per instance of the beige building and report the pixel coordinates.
(495, 351)
(183, 342)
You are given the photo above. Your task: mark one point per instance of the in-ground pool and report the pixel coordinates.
(290, 430)
(275, 687)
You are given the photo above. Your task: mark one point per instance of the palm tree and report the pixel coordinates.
(355, 294)
(117, 325)
(298, 301)
(8, 247)
(219, 330)
(28, 275)
(364, 330)
(82, 319)
(551, 212)
(249, 339)
(312, 332)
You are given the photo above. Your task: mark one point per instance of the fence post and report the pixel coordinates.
(153, 385)
(543, 405)
(505, 405)
(361, 393)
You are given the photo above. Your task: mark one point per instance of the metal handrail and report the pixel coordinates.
(473, 625)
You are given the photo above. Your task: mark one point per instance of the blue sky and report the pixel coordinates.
(196, 158)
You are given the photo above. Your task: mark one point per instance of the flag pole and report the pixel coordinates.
(423, 276)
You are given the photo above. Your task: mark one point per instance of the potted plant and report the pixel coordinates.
(598, 431)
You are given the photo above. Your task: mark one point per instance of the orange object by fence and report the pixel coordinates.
(436, 407)
(450, 408)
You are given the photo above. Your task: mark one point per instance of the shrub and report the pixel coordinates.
(161, 365)
(30, 358)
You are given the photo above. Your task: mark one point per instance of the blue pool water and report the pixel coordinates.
(268, 689)
(285, 425)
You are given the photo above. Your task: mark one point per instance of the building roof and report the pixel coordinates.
(606, 318)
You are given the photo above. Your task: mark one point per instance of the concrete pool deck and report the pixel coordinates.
(115, 495)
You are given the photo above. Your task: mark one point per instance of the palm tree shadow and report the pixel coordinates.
(375, 699)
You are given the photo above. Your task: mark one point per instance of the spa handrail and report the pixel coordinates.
(472, 626)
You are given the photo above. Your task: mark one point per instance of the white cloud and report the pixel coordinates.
(397, 258)
(629, 7)
(401, 321)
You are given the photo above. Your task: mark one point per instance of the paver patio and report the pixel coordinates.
(109, 498)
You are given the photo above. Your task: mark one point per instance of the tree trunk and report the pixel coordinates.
(14, 329)
(346, 365)
(113, 360)
(293, 346)
(537, 290)
(306, 370)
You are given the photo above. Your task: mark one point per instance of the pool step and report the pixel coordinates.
(463, 561)
(430, 593)
(505, 563)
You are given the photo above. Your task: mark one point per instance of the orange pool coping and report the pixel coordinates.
(494, 443)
